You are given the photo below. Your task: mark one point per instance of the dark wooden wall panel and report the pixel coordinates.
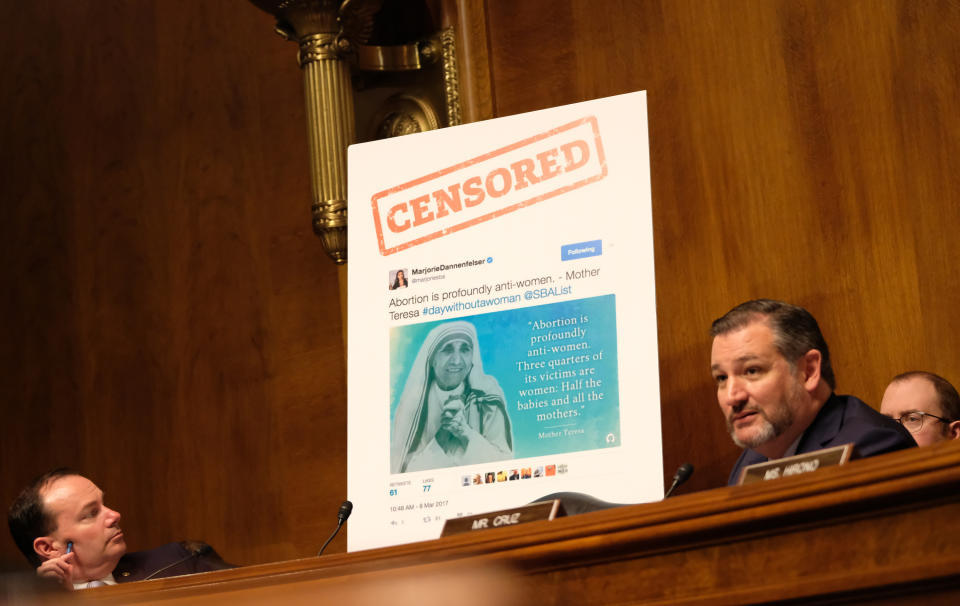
(172, 325)
(803, 150)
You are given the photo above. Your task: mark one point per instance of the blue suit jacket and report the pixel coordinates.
(195, 556)
(841, 420)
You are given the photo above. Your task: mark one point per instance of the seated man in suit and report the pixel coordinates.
(926, 404)
(61, 525)
(775, 387)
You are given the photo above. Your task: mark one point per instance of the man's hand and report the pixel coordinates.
(60, 568)
(453, 420)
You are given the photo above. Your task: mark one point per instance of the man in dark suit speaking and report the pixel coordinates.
(62, 526)
(775, 387)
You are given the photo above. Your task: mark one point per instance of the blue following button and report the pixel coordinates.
(581, 250)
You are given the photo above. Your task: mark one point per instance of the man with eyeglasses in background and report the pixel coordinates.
(926, 404)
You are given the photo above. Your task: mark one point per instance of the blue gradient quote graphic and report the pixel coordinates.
(556, 364)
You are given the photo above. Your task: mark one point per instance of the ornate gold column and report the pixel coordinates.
(330, 128)
(321, 28)
(338, 62)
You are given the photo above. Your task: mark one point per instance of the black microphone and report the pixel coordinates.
(346, 508)
(196, 550)
(683, 474)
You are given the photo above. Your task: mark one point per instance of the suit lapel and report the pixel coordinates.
(825, 426)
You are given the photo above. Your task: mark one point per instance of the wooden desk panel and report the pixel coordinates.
(883, 530)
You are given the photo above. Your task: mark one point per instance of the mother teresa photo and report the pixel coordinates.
(450, 413)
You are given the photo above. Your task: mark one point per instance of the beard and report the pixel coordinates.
(767, 426)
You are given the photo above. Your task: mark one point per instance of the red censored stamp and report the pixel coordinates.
(489, 186)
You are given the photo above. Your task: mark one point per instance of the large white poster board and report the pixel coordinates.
(502, 319)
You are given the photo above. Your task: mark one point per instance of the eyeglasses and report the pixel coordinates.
(913, 421)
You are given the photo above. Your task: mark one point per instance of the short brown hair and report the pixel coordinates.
(795, 330)
(27, 518)
(946, 393)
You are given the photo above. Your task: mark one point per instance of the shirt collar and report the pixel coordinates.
(107, 580)
(793, 447)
